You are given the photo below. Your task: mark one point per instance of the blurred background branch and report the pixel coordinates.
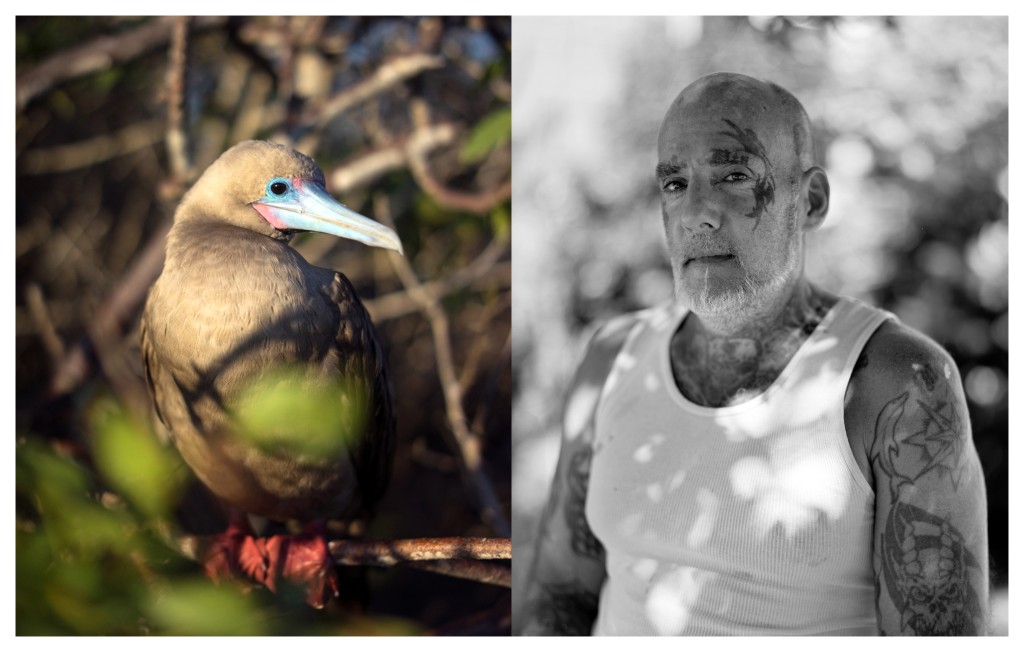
(116, 117)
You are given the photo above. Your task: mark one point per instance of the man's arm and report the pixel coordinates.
(568, 570)
(930, 542)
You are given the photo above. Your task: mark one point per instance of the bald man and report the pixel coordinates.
(758, 456)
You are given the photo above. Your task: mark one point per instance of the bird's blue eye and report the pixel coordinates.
(278, 187)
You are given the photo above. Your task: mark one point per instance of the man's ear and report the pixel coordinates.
(814, 190)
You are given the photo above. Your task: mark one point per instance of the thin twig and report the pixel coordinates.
(467, 442)
(471, 202)
(375, 164)
(384, 77)
(177, 142)
(113, 316)
(44, 324)
(85, 153)
(96, 55)
(400, 303)
(486, 264)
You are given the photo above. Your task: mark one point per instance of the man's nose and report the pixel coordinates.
(699, 211)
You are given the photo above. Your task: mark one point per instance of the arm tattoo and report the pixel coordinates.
(583, 540)
(937, 438)
(925, 564)
(923, 558)
(568, 609)
(764, 190)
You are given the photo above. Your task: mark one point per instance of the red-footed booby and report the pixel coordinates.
(234, 306)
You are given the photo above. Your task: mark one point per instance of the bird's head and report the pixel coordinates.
(277, 191)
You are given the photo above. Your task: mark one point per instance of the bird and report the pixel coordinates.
(233, 306)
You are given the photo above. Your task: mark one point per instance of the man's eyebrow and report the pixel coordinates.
(666, 170)
(727, 157)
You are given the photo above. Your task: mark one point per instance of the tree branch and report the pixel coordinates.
(462, 557)
(397, 551)
(73, 156)
(99, 54)
(113, 316)
(387, 75)
(177, 69)
(371, 166)
(400, 303)
(467, 443)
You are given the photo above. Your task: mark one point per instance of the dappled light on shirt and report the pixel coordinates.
(670, 598)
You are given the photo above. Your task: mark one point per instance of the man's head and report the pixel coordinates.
(739, 188)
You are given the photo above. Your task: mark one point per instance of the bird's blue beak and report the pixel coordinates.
(304, 205)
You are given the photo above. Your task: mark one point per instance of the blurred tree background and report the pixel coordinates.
(410, 119)
(911, 124)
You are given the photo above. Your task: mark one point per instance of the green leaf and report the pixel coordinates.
(501, 222)
(491, 132)
(288, 412)
(144, 471)
(196, 607)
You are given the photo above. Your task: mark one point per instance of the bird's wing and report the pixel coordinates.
(360, 356)
(148, 362)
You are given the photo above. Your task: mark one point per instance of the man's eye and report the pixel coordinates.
(736, 176)
(674, 185)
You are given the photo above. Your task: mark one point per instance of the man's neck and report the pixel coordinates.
(726, 359)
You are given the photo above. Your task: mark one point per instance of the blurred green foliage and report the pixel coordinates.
(91, 563)
(490, 133)
(137, 466)
(330, 414)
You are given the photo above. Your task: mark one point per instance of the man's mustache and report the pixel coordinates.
(703, 246)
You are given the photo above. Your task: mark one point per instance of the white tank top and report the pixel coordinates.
(750, 519)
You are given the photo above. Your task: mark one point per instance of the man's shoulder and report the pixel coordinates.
(610, 336)
(897, 354)
(899, 364)
(594, 368)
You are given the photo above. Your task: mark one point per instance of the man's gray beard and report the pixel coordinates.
(711, 303)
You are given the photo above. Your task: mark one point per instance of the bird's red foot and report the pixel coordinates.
(302, 559)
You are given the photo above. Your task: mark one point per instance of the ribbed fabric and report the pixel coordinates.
(751, 519)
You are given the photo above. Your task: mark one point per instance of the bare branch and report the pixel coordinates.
(387, 75)
(82, 154)
(113, 316)
(177, 142)
(44, 324)
(98, 55)
(376, 164)
(467, 442)
(397, 304)
(463, 557)
(417, 153)
(455, 556)
(397, 551)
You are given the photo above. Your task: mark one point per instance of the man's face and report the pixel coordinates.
(729, 199)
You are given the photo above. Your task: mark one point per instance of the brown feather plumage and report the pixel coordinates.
(235, 302)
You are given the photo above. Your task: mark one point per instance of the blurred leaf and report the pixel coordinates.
(378, 626)
(493, 131)
(288, 411)
(197, 607)
(501, 222)
(134, 462)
